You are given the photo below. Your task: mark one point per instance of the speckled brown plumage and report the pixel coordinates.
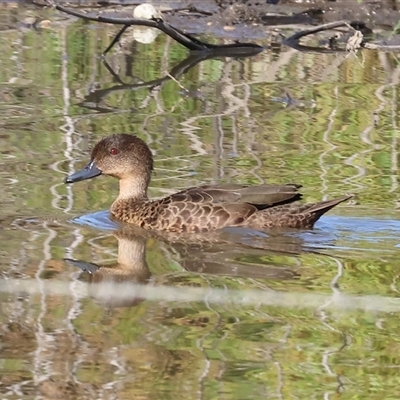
(197, 209)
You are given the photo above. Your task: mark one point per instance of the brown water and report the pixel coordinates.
(299, 314)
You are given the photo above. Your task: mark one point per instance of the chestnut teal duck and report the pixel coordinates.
(196, 209)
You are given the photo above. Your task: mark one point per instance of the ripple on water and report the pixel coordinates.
(371, 234)
(331, 232)
(99, 220)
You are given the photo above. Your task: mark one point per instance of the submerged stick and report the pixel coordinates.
(316, 29)
(355, 42)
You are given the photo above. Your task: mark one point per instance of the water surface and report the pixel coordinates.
(92, 310)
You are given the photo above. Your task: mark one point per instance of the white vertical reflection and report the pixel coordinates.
(69, 130)
(326, 140)
(46, 341)
(42, 366)
(68, 127)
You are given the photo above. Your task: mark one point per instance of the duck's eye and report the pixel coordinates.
(114, 151)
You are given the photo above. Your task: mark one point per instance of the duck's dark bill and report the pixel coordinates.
(90, 171)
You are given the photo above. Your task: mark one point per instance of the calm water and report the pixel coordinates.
(246, 314)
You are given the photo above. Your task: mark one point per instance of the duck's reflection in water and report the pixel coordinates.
(131, 267)
(223, 254)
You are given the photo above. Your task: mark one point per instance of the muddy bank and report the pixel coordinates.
(235, 20)
(383, 14)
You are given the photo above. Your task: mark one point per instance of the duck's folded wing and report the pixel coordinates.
(189, 216)
(261, 195)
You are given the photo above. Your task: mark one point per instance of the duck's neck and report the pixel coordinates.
(132, 189)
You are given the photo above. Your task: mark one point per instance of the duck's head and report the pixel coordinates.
(122, 156)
